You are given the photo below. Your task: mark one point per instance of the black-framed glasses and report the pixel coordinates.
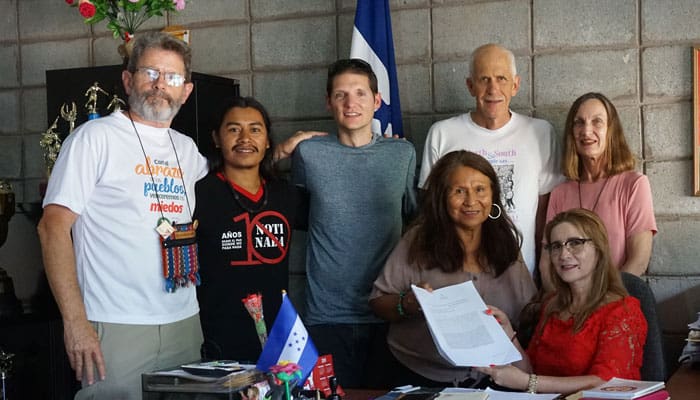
(573, 245)
(171, 78)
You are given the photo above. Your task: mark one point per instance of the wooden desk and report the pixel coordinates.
(684, 383)
(363, 394)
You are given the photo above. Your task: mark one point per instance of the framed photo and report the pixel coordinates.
(696, 121)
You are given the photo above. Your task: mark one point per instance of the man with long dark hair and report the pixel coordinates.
(246, 217)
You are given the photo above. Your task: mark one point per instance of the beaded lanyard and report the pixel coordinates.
(179, 249)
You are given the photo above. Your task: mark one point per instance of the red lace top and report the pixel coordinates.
(609, 344)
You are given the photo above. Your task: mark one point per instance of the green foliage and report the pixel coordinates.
(124, 16)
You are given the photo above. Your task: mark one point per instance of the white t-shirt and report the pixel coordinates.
(101, 175)
(525, 154)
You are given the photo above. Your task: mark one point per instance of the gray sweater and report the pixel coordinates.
(358, 199)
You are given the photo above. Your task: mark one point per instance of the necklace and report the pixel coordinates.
(240, 201)
(180, 261)
(580, 204)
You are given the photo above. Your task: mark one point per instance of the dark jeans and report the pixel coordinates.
(360, 353)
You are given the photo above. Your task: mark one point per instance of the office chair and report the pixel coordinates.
(653, 364)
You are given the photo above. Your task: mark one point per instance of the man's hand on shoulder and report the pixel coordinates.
(286, 148)
(394, 136)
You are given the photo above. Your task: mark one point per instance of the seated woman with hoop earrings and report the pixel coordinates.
(460, 234)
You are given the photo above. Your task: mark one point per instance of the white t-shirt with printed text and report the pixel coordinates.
(101, 174)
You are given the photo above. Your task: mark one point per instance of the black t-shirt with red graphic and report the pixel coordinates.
(243, 249)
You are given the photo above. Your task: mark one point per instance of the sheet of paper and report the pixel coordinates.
(463, 333)
(498, 395)
(178, 372)
(184, 374)
(475, 395)
(451, 390)
(491, 394)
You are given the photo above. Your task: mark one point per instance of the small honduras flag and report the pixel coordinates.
(288, 341)
(373, 42)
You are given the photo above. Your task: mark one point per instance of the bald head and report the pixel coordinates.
(491, 50)
(492, 82)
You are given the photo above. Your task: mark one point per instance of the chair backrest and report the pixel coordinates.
(654, 364)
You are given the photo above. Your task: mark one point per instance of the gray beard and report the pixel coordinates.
(140, 104)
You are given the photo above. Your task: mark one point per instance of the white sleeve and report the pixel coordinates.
(77, 170)
(430, 156)
(550, 175)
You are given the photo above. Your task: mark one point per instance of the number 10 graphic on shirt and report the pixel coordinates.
(266, 238)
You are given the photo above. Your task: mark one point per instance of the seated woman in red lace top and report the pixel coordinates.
(590, 329)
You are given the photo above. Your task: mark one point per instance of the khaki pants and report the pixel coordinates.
(130, 350)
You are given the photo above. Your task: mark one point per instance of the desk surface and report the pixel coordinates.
(362, 394)
(684, 383)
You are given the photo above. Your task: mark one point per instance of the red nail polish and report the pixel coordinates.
(488, 311)
(492, 365)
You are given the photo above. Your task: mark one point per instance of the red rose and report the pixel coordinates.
(87, 10)
(70, 2)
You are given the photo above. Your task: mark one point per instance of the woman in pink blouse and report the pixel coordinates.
(601, 177)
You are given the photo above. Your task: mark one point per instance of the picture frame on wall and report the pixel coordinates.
(696, 121)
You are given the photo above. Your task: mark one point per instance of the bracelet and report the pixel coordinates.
(515, 334)
(399, 305)
(532, 384)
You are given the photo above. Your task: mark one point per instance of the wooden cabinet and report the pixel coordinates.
(40, 365)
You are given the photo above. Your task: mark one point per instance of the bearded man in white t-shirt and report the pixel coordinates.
(524, 151)
(116, 179)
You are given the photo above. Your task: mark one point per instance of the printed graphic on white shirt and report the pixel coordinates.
(164, 187)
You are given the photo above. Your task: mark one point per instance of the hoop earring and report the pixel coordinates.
(499, 211)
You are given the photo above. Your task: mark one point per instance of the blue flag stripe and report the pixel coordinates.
(372, 41)
(288, 341)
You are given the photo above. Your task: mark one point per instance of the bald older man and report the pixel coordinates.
(523, 150)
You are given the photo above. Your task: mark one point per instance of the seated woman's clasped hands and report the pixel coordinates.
(590, 330)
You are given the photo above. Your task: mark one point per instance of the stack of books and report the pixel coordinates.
(617, 388)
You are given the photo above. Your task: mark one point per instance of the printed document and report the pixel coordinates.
(451, 393)
(463, 333)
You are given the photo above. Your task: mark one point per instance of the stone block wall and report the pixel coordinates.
(637, 52)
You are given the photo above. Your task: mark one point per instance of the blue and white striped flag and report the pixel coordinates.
(373, 42)
(288, 341)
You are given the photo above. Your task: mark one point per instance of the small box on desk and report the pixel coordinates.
(158, 384)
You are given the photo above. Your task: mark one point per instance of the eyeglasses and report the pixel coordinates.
(573, 245)
(171, 78)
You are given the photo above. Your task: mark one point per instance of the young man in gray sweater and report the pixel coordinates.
(361, 188)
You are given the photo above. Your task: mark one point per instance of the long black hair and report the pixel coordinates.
(216, 160)
(436, 243)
